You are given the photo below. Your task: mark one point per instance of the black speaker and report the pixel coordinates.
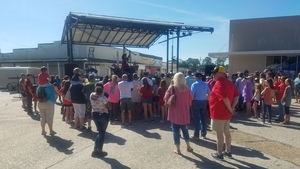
(208, 69)
(69, 68)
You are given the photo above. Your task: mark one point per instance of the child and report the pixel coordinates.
(256, 98)
(76, 79)
(67, 103)
(43, 77)
(161, 92)
(286, 101)
(267, 102)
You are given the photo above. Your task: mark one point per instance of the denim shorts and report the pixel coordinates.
(148, 101)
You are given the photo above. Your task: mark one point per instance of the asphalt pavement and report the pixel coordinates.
(142, 146)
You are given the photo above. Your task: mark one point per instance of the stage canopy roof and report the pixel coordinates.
(90, 29)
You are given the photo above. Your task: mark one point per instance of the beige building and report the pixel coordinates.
(257, 44)
(54, 56)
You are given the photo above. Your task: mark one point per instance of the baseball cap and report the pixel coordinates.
(219, 69)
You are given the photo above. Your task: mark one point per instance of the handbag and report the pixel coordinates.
(172, 99)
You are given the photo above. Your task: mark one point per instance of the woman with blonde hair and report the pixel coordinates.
(112, 89)
(179, 115)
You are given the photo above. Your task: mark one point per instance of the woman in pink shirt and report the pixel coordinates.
(112, 89)
(267, 102)
(179, 115)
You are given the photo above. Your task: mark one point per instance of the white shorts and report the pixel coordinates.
(79, 110)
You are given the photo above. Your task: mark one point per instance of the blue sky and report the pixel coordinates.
(25, 23)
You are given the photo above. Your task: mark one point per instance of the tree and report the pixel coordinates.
(207, 61)
(183, 64)
(193, 63)
(220, 61)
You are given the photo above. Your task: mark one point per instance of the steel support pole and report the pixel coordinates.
(177, 61)
(168, 51)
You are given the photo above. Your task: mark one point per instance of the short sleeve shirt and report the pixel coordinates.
(43, 78)
(223, 88)
(125, 89)
(98, 105)
(146, 93)
(113, 91)
(288, 96)
(28, 84)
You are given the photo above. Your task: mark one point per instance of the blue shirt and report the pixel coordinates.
(50, 92)
(189, 81)
(200, 90)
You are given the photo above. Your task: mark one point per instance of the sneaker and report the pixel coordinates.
(97, 154)
(89, 128)
(229, 155)
(270, 123)
(217, 156)
(203, 137)
(52, 133)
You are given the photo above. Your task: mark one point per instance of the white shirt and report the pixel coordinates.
(136, 97)
(125, 89)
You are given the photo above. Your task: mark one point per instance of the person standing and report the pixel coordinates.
(100, 117)
(297, 88)
(29, 93)
(112, 89)
(222, 101)
(287, 100)
(240, 86)
(267, 102)
(22, 90)
(136, 97)
(79, 103)
(200, 91)
(125, 88)
(189, 79)
(47, 109)
(279, 90)
(87, 90)
(179, 115)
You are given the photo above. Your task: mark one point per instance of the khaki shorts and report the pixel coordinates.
(220, 125)
(46, 111)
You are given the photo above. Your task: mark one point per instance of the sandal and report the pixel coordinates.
(177, 152)
(190, 149)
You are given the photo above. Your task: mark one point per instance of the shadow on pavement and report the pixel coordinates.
(203, 162)
(60, 144)
(144, 132)
(114, 164)
(109, 138)
(35, 116)
(236, 150)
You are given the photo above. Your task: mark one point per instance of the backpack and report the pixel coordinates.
(42, 96)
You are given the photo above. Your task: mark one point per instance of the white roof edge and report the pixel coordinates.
(268, 52)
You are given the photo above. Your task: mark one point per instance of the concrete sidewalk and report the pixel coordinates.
(142, 146)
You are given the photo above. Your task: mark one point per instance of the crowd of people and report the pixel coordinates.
(217, 98)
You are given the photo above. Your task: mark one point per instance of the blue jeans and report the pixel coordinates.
(281, 110)
(184, 129)
(199, 109)
(265, 107)
(241, 101)
(101, 122)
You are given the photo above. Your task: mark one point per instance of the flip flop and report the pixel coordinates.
(177, 152)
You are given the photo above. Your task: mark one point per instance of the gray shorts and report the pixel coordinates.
(126, 104)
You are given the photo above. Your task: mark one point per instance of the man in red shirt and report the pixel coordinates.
(29, 93)
(222, 101)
